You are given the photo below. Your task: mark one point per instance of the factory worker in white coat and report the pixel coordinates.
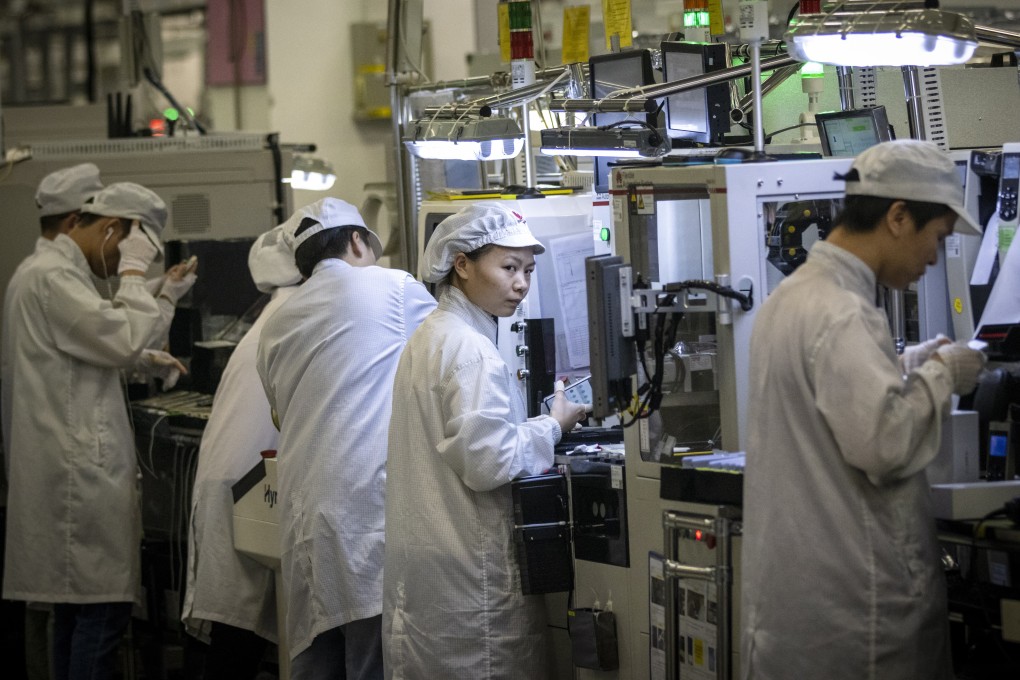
(459, 434)
(230, 598)
(73, 525)
(326, 359)
(59, 198)
(842, 577)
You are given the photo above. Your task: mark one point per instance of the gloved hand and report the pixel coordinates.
(965, 365)
(915, 355)
(177, 282)
(136, 251)
(161, 365)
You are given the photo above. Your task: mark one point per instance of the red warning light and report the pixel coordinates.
(697, 535)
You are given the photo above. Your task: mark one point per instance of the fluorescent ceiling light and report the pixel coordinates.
(472, 139)
(616, 142)
(311, 173)
(882, 37)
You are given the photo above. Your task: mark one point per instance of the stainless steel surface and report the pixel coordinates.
(759, 124)
(845, 78)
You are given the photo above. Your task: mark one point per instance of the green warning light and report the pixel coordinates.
(171, 114)
(604, 234)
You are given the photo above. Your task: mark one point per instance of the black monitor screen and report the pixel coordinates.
(847, 133)
(609, 73)
(700, 115)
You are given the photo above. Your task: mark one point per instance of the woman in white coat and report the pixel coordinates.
(459, 434)
(230, 598)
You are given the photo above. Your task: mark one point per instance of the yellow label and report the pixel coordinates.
(715, 17)
(576, 33)
(616, 17)
(503, 13)
(699, 652)
(958, 305)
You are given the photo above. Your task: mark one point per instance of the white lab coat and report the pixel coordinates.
(459, 435)
(160, 330)
(326, 359)
(223, 585)
(7, 359)
(73, 520)
(842, 578)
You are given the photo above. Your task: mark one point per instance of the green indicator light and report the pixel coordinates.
(812, 69)
(171, 114)
(604, 234)
(696, 19)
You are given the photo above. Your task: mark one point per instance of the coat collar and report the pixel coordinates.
(851, 271)
(66, 246)
(453, 300)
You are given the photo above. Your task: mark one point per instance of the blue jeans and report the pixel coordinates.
(85, 639)
(352, 651)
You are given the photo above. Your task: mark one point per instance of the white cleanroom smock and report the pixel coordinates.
(459, 435)
(327, 359)
(842, 577)
(73, 520)
(7, 358)
(223, 585)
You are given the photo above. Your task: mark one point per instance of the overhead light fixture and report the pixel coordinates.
(882, 34)
(311, 173)
(467, 139)
(615, 142)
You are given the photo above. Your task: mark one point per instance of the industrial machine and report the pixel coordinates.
(699, 246)
(216, 187)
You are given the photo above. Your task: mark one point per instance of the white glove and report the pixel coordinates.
(567, 413)
(174, 287)
(161, 365)
(965, 365)
(915, 355)
(136, 251)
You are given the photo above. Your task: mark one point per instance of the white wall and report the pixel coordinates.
(308, 97)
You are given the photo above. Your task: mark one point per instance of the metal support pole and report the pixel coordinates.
(530, 178)
(759, 124)
(845, 78)
(915, 107)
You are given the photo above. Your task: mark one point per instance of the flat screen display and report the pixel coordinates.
(699, 115)
(848, 133)
(609, 73)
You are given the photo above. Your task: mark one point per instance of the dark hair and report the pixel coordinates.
(88, 219)
(329, 243)
(862, 214)
(50, 224)
(474, 256)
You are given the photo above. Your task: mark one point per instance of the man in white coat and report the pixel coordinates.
(59, 197)
(73, 527)
(230, 600)
(327, 359)
(842, 577)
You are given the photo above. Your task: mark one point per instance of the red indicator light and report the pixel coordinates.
(697, 535)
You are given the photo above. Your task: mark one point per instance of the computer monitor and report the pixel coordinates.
(700, 115)
(609, 73)
(847, 133)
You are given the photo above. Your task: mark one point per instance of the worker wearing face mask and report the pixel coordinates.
(326, 359)
(59, 198)
(459, 435)
(230, 598)
(842, 576)
(73, 527)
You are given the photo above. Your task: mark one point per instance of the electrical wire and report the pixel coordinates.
(787, 129)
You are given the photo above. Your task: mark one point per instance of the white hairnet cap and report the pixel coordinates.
(911, 170)
(65, 190)
(468, 230)
(329, 213)
(271, 261)
(134, 202)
